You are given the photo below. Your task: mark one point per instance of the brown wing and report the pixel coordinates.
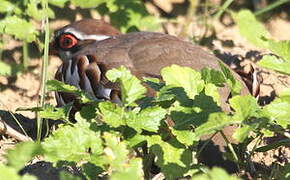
(146, 53)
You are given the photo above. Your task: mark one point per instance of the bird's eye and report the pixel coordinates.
(67, 41)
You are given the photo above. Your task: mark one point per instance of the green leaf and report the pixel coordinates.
(173, 161)
(251, 29)
(234, 85)
(87, 3)
(19, 28)
(5, 69)
(244, 106)
(38, 13)
(216, 121)
(275, 63)
(131, 87)
(242, 133)
(278, 111)
(133, 170)
(71, 143)
(213, 76)
(215, 174)
(112, 114)
(186, 137)
(116, 151)
(64, 175)
(148, 119)
(12, 174)
(23, 152)
(184, 77)
(58, 3)
(212, 91)
(281, 48)
(51, 112)
(8, 7)
(54, 85)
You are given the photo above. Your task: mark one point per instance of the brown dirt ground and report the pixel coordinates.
(23, 91)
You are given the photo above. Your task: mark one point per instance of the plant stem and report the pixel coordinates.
(230, 146)
(270, 7)
(204, 145)
(189, 16)
(223, 8)
(25, 55)
(44, 68)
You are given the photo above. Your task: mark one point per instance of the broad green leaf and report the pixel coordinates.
(143, 22)
(54, 85)
(23, 152)
(133, 170)
(242, 133)
(8, 7)
(12, 174)
(173, 161)
(58, 3)
(231, 81)
(115, 151)
(275, 63)
(153, 83)
(112, 114)
(251, 29)
(135, 140)
(244, 106)
(281, 48)
(186, 137)
(216, 122)
(19, 28)
(278, 111)
(131, 87)
(194, 113)
(71, 143)
(215, 174)
(184, 77)
(213, 76)
(212, 91)
(148, 119)
(64, 175)
(51, 112)
(37, 13)
(5, 69)
(87, 3)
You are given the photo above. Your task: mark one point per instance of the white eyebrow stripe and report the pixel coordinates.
(83, 36)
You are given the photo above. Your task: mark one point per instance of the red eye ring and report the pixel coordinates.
(67, 41)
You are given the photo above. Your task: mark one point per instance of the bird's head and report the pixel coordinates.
(78, 35)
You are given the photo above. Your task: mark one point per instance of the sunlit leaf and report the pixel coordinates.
(251, 28)
(275, 63)
(131, 87)
(23, 152)
(19, 28)
(184, 77)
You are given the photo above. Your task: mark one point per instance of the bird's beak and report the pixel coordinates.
(52, 49)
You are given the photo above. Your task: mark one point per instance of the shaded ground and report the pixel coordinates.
(228, 45)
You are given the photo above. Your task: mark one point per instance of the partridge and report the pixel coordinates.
(89, 48)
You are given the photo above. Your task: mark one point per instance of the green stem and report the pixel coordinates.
(189, 16)
(230, 146)
(204, 145)
(25, 55)
(223, 8)
(270, 7)
(44, 68)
